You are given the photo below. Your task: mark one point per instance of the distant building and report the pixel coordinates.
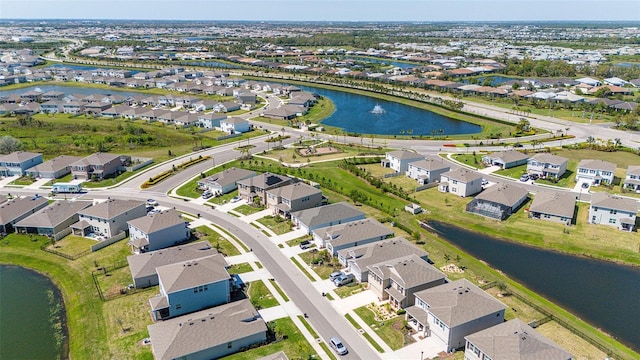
(293, 197)
(461, 182)
(324, 216)
(225, 181)
(547, 165)
(607, 209)
(595, 172)
(505, 159)
(553, 206)
(632, 179)
(428, 170)
(399, 160)
(499, 201)
(157, 231)
(18, 162)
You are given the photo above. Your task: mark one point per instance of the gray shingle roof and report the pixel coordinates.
(326, 214)
(55, 164)
(353, 231)
(96, 159)
(459, 302)
(462, 175)
(264, 181)
(191, 273)
(54, 214)
(111, 208)
(408, 271)
(606, 200)
(504, 194)
(294, 191)
(431, 163)
(229, 176)
(516, 340)
(12, 209)
(145, 264)
(205, 329)
(18, 156)
(405, 155)
(549, 158)
(554, 203)
(379, 251)
(508, 156)
(597, 165)
(633, 170)
(158, 221)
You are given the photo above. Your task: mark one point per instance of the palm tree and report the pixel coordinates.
(591, 140)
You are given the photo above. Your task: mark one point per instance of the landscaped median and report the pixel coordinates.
(154, 180)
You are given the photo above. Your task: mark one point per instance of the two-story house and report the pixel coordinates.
(96, 166)
(225, 181)
(547, 165)
(399, 160)
(428, 170)
(108, 218)
(632, 179)
(192, 285)
(360, 232)
(399, 279)
(461, 182)
(512, 340)
(323, 216)
(595, 172)
(451, 311)
(607, 209)
(293, 197)
(17, 162)
(157, 231)
(234, 125)
(255, 188)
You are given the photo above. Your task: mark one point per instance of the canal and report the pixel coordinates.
(32, 316)
(604, 294)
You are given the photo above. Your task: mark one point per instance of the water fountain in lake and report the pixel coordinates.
(378, 110)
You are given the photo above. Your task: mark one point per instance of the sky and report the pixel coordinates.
(326, 10)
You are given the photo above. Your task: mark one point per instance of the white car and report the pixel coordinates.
(152, 202)
(236, 199)
(336, 344)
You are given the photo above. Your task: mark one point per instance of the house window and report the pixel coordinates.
(613, 212)
(455, 182)
(178, 306)
(612, 221)
(485, 357)
(229, 345)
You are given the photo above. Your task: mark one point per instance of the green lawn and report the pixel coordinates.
(474, 160)
(72, 245)
(279, 290)
(364, 333)
(295, 345)
(304, 271)
(350, 289)
(23, 181)
(247, 209)
(296, 242)
(276, 224)
(260, 295)
(320, 262)
(388, 330)
(240, 268)
(514, 172)
(217, 241)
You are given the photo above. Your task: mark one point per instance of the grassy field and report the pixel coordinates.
(276, 224)
(260, 295)
(296, 242)
(365, 334)
(240, 268)
(217, 241)
(387, 330)
(471, 160)
(350, 289)
(323, 268)
(247, 210)
(72, 245)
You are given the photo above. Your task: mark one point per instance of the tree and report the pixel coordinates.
(9, 144)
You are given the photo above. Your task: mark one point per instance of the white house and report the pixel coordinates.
(234, 125)
(399, 160)
(108, 218)
(323, 216)
(612, 210)
(547, 165)
(157, 231)
(595, 172)
(350, 234)
(462, 182)
(428, 170)
(632, 179)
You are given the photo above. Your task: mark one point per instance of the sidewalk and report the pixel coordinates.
(370, 331)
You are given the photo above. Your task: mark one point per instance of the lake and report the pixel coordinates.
(604, 294)
(353, 114)
(32, 314)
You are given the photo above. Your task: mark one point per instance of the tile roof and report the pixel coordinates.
(554, 203)
(145, 264)
(633, 170)
(18, 157)
(54, 214)
(265, 180)
(191, 273)
(229, 176)
(55, 164)
(158, 221)
(459, 302)
(353, 231)
(96, 159)
(516, 340)
(111, 208)
(606, 200)
(326, 214)
(205, 329)
(504, 194)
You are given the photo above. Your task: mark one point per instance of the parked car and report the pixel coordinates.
(152, 202)
(524, 178)
(533, 176)
(305, 244)
(236, 199)
(207, 194)
(335, 274)
(336, 344)
(343, 279)
(485, 182)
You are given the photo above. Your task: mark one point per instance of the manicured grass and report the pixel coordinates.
(364, 333)
(275, 284)
(307, 326)
(328, 296)
(296, 242)
(385, 329)
(72, 245)
(221, 244)
(577, 346)
(247, 210)
(304, 271)
(291, 155)
(295, 346)
(350, 289)
(113, 281)
(260, 295)
(24, 180)
(320, 262)
(514, 172)
(470, 159)
(240, 268)
(516, 308)
(327, 350)
(276, 224)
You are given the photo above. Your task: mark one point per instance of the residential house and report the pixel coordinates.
(52, 221)
(428, 170)
(281, 113)
(73, 107)
(399, 279)
(499, 201)
(190, 286)
(595, 172)
(451, 311)
(547, 165)
(505, 159)
(512, 340)
(293, 197)
(54, 168)
(346, 235)
(324, 216)
(553, 206)
(632, 180)
(461, 182)
(211, 120)
(234, 125)
(18, 162)
(96, 166)
(108, 218)
(157, 231)
(356, 259)
(399, 160)
(607, 209)
(51, 107)
(14, 210)
(257, 186)
(143, 266)
(208, 334)
(225, 181)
